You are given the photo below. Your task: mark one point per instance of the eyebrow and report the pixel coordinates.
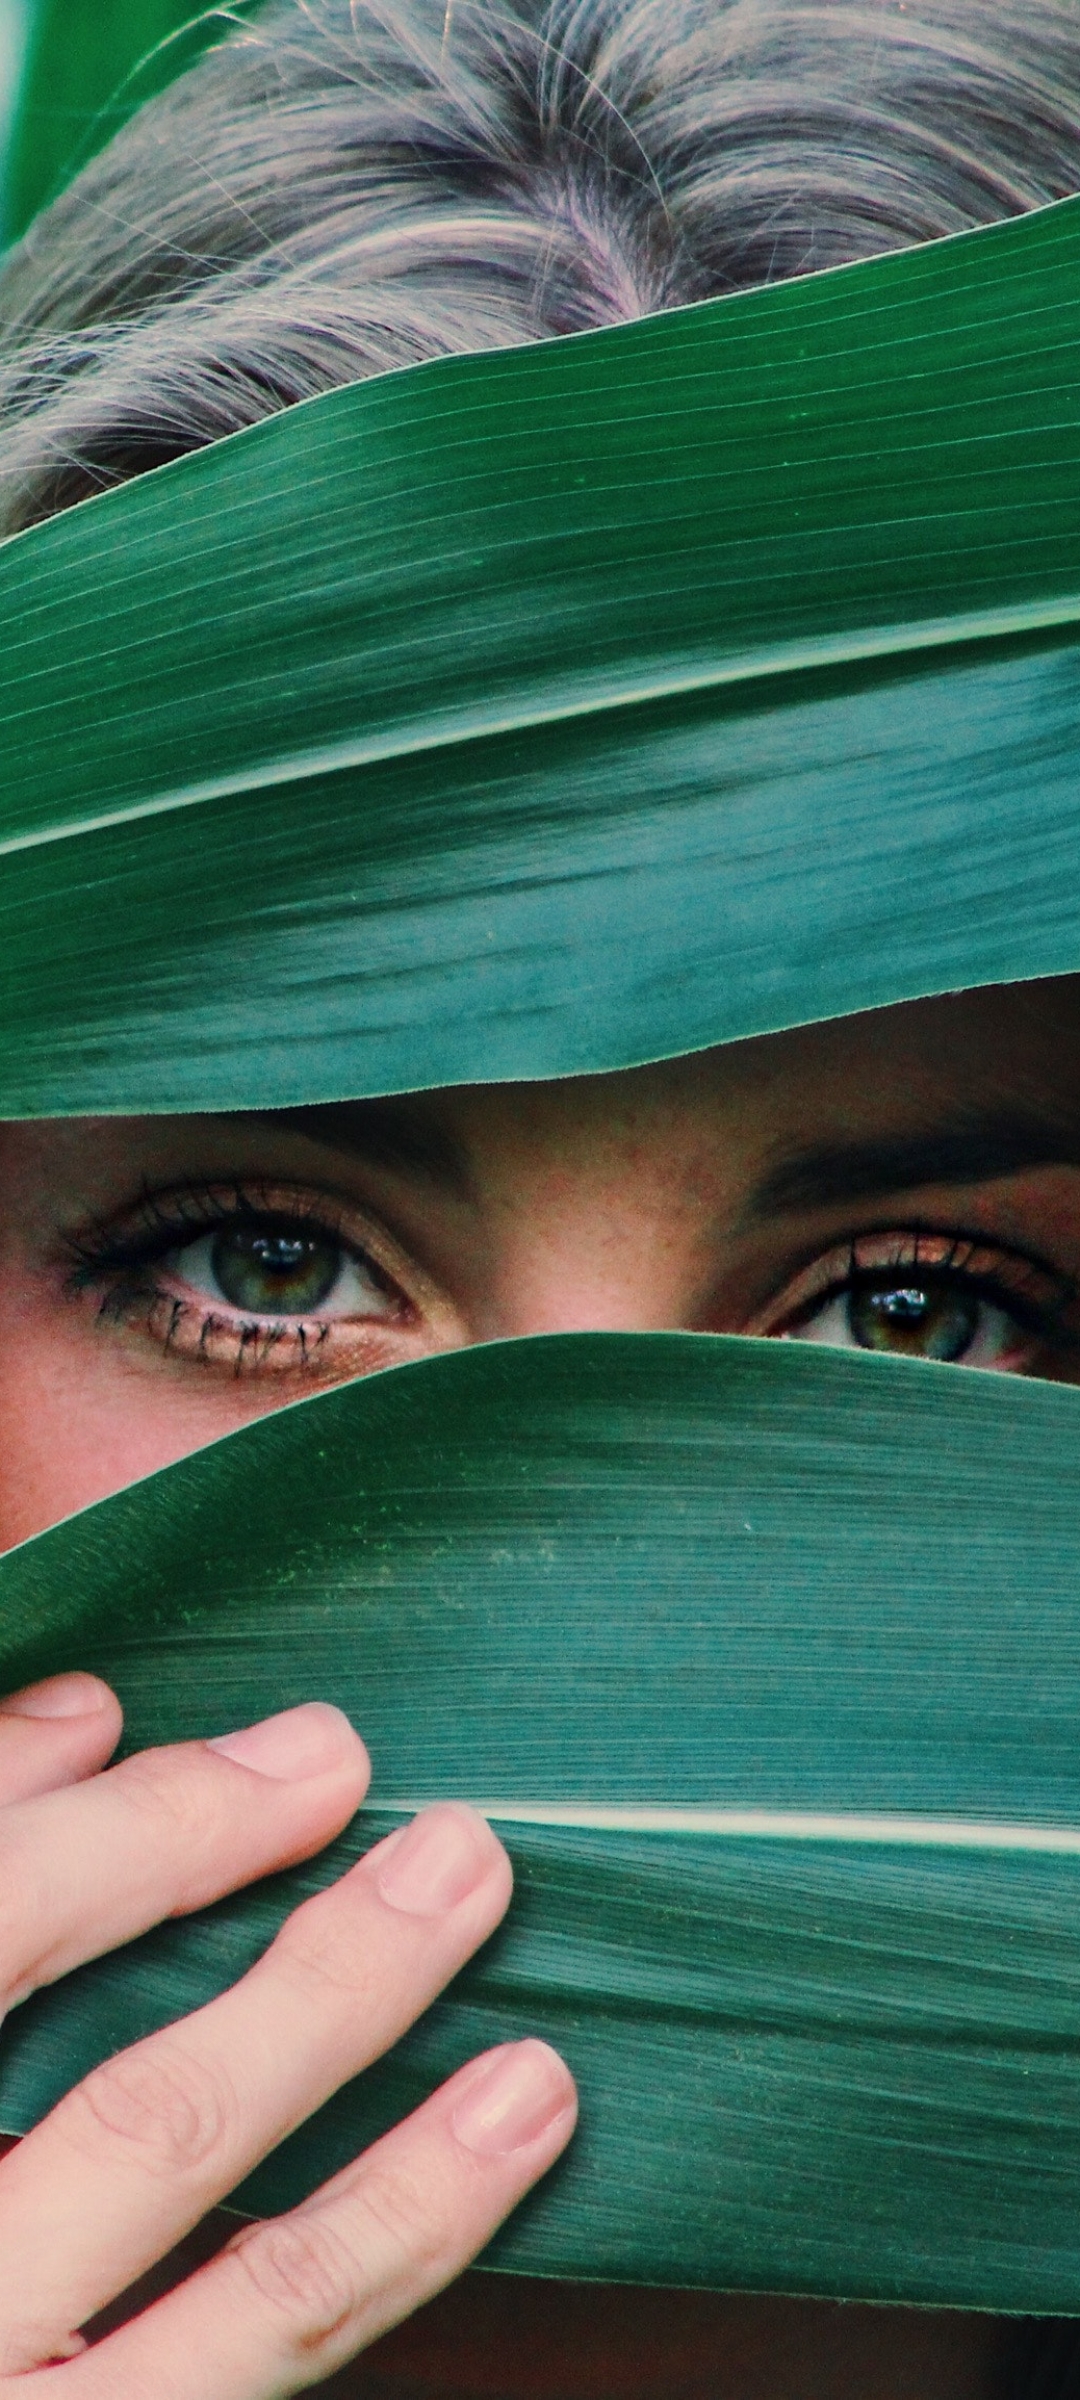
(383, 1133)
(979, 1150)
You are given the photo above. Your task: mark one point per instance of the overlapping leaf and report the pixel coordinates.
(89, 65)
(528, 714)
(677, 1570)
(550, 710)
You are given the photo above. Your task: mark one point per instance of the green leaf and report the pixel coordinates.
(523, 715)
(546, 711)
(90, 64)
(678, 1570)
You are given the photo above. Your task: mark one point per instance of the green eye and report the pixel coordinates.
(275, 1271)
(266, 1268)
(921, 1320)
(916, 1316)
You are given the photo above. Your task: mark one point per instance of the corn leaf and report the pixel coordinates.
(606, 1574)
(551, 710)
(522, 715)
(89, 65)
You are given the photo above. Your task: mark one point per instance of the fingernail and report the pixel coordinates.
(428, 1866)
(517, 2094)
(299, 1742)
(59, 1696)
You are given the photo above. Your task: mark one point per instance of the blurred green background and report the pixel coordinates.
(68, 79)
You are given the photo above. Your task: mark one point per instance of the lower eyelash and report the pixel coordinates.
(126, 1296)
(126, 1266)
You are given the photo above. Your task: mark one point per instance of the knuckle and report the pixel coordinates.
(321, 1950)
(171, 1799)
(395, 2219)
(301, 2269)
(166, 2111)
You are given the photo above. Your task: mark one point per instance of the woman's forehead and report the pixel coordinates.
(957, 1088)
(873, 1058)
(996, 1067)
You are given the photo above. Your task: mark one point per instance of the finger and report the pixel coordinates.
(292, 2300)
(85, 1869)
(138, 2153)
(55, 1733)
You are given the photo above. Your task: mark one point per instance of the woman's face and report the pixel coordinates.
(908, 1179)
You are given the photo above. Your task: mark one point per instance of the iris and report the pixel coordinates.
(284, 1270)
(921, 1320)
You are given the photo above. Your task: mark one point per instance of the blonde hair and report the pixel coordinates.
(345, 186)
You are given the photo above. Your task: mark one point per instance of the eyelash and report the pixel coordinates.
(1035, 1295)
(117, 1261)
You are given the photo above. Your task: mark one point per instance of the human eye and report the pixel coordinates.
(255, 1277)
(934, 1295)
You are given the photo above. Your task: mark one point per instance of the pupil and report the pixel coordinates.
(920, 1320)
(275, 1271)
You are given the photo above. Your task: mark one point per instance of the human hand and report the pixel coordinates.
(135, 2156)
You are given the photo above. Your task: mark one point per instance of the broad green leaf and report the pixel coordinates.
(547, 711)
(522, 715)
(620, 1572)
(90, 64)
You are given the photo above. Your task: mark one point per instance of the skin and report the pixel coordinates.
(909, 1178)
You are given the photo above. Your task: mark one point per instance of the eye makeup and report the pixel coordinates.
(934, 1294)
(256, 1276)
(259, 1276)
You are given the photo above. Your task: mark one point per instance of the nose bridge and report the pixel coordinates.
(601, 1207)
(594, 1270)
(589, 1311)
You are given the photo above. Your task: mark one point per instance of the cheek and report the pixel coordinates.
(80, 1415)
